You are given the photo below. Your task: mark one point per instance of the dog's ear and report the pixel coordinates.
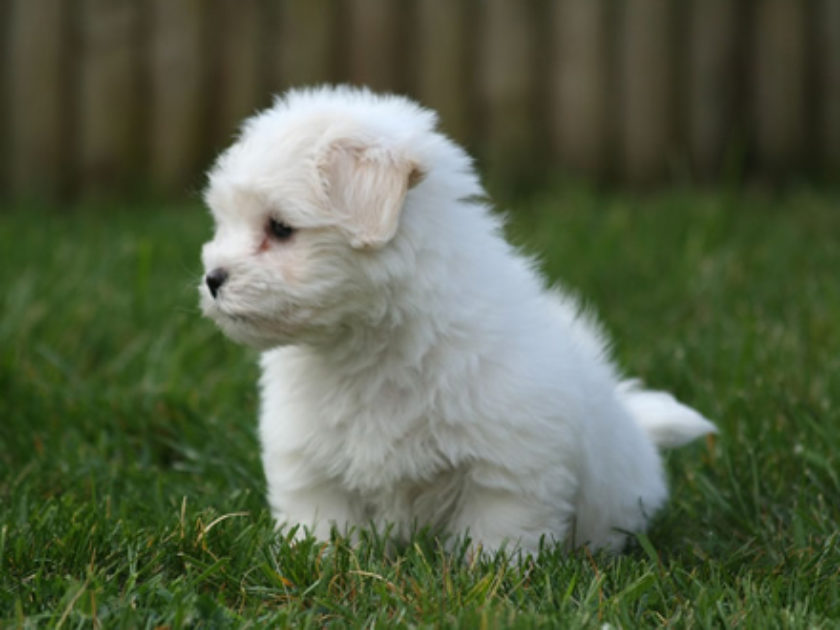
(366, 186)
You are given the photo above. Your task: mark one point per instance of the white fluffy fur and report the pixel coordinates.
(417, 372)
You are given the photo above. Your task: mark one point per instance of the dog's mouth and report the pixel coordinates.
(241, 319)
(252, 329)
(249, 330)
(224, 315)
(223, 306)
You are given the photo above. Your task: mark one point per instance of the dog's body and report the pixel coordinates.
(416, 371)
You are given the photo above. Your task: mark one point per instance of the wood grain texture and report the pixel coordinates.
(37, 104)
(101, 95)
(442, 64)
(375, 49)
(647, 90)
(711, 83)
(177, 112)
(828, 91)
(301, 42)
(580, 85)
(778, 71)
(110, 102)
(234, 45)
(505, 85)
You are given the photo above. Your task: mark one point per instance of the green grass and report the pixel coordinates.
(131, 493)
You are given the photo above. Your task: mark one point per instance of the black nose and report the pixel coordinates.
(215, 279)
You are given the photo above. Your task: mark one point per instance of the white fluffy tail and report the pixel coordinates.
(667, 422)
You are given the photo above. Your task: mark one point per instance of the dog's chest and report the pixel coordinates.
(369, 434)
(371, 454)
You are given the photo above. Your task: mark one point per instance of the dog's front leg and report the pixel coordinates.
(316, 507)
(500, 518)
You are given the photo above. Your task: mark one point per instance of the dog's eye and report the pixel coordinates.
(279, 230)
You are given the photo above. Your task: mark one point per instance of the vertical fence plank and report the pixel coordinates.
(235, 77)
(109, 98)
(647, 94)
(37, 104)
(828, 110)
(505, 85)
(5, 92)
(303, 44)
(374, 44)
(712, 76)
(177, 110)
(779, 83)
(442, 64)
(579, 85)
(272, 40)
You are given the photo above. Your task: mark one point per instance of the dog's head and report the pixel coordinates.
(305, 203)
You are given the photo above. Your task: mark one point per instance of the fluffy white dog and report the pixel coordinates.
(417, 372)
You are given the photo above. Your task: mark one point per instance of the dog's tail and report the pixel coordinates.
(667, 422)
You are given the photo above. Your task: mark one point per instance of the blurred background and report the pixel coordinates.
(119, 96)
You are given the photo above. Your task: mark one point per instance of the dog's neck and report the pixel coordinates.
(400, 337)
(456, 310)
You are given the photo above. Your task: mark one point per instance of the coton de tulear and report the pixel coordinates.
(416, 370)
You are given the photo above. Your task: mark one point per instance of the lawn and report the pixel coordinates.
(131, 492)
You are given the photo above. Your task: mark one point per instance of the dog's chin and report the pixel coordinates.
(251, 335)
(251, 331)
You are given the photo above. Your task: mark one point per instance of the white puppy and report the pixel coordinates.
(416, 370)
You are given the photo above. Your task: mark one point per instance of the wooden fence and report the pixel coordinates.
(112, 95)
